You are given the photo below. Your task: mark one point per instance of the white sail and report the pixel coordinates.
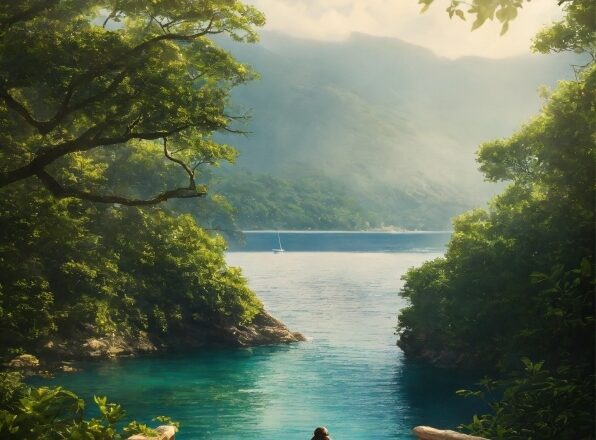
(280, 248)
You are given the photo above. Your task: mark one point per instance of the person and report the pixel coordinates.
(321, 433)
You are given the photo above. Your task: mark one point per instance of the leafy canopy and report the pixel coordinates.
(79, 75)
(517, 280)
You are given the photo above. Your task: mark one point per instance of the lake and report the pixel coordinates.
(349, 376)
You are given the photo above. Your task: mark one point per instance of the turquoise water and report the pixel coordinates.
(349, 375)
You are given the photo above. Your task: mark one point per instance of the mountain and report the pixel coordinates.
(392, 123)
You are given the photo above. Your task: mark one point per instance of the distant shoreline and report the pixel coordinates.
(368, 231)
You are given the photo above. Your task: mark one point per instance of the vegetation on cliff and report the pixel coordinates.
(107, 109)
(71, 267)
(515, 290)
(107, 106)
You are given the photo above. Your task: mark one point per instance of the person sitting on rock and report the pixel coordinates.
(321, 433)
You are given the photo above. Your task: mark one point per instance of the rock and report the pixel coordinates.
(417, 346)
(116, 345)
(263, 330)
(428, 433)
(143, 343)
(164, 432)
(88, 327)
(69, 369)
(24, 361)
(94, 344)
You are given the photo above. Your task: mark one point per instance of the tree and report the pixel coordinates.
(517, 280)
(576, 29)
(85, 76)
(72, 270)
(479, 298)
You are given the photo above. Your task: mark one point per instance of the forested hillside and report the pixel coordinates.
(261, 201)
(392, 124)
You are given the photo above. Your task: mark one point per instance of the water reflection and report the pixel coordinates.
(427, 394)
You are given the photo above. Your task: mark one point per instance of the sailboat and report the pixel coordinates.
(280, 249)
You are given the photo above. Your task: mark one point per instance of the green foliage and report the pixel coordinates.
(28, 413)
(70, 84)
(535, 404)
(576, 32)
(266, 202)
(70, 263)
(503, 10)
(522, 269)
(517, 279)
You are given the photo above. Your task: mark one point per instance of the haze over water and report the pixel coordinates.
(349, 375)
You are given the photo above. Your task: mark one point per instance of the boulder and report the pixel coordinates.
(24, 361)
(164, 432)
(263, 330)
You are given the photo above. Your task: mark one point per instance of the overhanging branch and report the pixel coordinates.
(87, 141)
(62, 192)
(186, 168)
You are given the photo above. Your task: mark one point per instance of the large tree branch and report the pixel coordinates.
(176, 37)
(62, 192)
(88, 140)
(119, 67)
(44, 127)
(139, 48)
(190, 172)
(65, 109)
(20, 109)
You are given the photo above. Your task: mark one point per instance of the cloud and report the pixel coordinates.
(337, 19)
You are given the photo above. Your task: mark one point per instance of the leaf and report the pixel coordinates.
(425, 5)
(504, 28)
(478, 22)
(586, 268)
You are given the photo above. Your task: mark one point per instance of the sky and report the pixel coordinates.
(334, 20)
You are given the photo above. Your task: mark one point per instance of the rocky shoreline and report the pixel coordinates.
(62, 355)
(418, 347)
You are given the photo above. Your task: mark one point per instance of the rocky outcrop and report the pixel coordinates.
(419, 347)
(87, 345)
(165, 432)
(24, 361)
(263, 330)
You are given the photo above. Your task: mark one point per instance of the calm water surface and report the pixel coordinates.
(349, 376)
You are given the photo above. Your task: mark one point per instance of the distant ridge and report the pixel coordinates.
(392, 123)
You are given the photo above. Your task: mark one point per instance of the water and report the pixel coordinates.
(338, 241)
(349, 376)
